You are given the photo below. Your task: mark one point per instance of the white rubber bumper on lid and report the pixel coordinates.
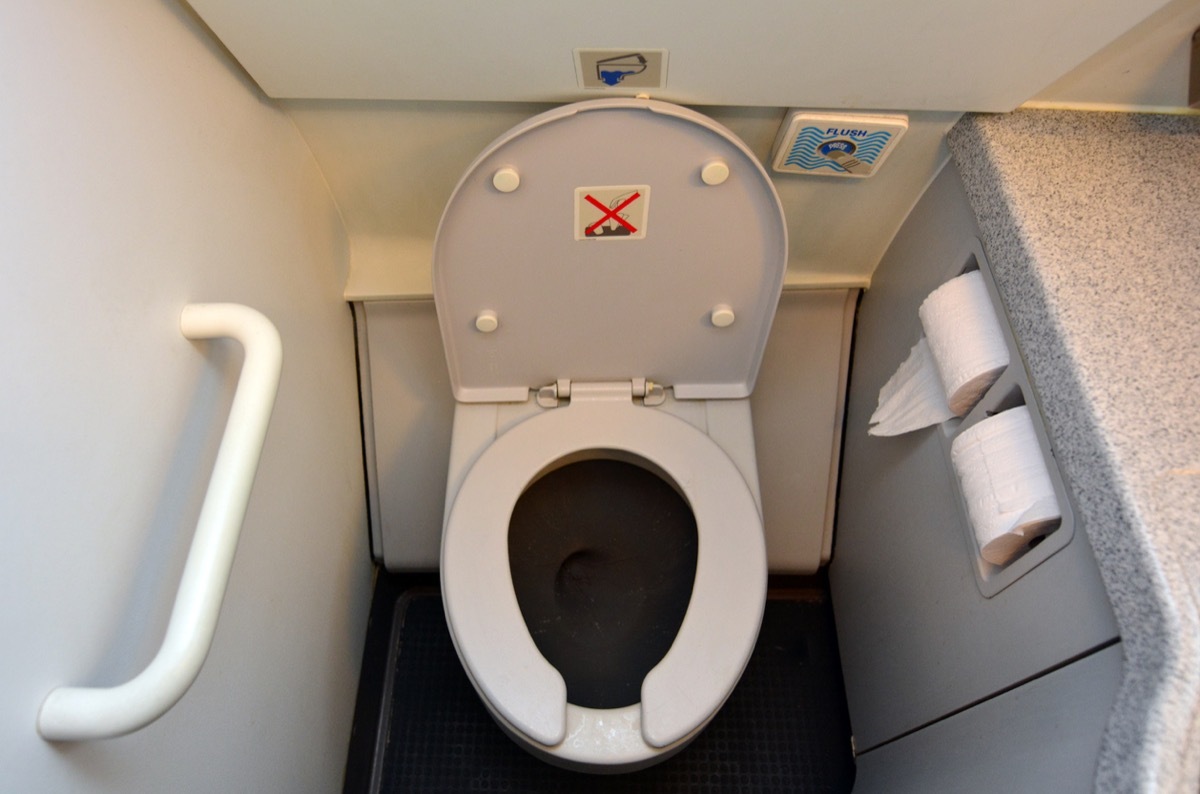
(718, 632)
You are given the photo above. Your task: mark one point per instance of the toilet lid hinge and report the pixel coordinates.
(549, 396)
(652, 393)
(552, 395)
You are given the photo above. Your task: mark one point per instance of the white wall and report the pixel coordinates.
(359, 76)
(393, 165)
(140, 170)
(1146, 69)
(882, 54)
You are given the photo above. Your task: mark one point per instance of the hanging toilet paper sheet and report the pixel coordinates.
(912, 398)
(1005, 484)
(958, 359)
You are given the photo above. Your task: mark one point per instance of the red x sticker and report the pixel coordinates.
(613, 212)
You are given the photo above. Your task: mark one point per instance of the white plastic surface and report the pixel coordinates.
(79, 713)
(615, 308)
(875, 54)
(716, 638)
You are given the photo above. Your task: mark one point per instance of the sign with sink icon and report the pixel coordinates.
(614, 69)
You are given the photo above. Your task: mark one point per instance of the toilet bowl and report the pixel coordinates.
(581, 323)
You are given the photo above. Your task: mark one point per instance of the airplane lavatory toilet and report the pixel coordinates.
(605, 276)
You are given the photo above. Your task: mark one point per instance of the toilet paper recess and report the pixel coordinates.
(1006, 486)
(960, 356)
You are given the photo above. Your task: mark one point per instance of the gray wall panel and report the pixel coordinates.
(918, 638)
(1044, 736)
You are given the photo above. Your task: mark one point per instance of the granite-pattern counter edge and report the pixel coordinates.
(1091, 223)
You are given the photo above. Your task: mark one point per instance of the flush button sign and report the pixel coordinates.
(829, 144)
(612, 212)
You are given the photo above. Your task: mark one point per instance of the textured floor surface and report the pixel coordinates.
(784, 728)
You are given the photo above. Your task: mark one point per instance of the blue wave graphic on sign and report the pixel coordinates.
(805, 151)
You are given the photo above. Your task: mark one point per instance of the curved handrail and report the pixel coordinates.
(76, 713)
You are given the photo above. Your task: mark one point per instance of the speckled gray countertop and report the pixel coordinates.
(1091, 223)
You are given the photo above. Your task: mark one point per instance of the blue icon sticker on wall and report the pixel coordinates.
(612, 70)
(836, 145)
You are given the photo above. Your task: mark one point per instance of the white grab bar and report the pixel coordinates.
(76, 713)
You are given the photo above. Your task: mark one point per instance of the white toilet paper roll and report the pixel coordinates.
(965, 339)
(1005, 483)
(961, 355)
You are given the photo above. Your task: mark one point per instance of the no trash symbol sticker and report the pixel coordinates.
(613, 212)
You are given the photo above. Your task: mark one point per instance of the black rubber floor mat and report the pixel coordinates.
(784, 728)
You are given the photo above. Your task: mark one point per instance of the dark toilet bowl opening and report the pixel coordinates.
(602, 550)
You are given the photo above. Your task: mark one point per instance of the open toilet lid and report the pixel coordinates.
(609, 258)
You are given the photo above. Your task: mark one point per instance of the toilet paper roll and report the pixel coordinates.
(965, 339)
(958, 359)
(1005, 484)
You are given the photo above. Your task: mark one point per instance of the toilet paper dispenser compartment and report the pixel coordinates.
(1010, 391)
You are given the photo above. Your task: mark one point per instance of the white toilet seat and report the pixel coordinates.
(718, 632)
